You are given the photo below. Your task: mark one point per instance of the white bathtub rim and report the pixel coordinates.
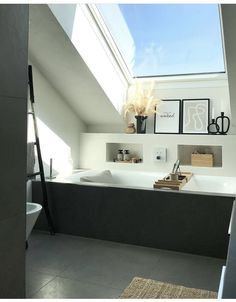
(182, 191)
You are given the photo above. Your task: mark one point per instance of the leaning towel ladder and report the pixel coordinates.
(38, 150)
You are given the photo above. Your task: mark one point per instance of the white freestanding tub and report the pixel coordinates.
(32, 212)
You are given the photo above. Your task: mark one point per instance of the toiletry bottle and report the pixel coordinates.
(120, 155)
(126, 155)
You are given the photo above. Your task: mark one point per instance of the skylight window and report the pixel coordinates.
(166, 39)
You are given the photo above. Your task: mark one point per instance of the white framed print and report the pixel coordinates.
(195, 113)
(168, 116)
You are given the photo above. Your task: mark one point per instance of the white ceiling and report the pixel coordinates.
(58, 60)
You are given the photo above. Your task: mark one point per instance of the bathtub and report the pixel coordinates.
(120, 178)
(32, 212)
(144, 180)
(128, 210)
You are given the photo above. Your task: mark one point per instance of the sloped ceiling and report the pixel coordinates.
(54, 54)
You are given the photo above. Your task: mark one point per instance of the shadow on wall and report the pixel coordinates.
(66, 15)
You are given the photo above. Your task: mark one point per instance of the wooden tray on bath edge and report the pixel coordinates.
(173, 184)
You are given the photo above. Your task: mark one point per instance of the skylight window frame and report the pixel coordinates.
(222, 39)
(124, 67)
(110, 42)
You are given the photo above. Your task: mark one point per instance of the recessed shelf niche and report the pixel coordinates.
(185, 151)
(135, 150)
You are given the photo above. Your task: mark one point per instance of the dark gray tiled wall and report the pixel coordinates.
(12, 246)
(13, 50)
(13, 137)
(12, 115)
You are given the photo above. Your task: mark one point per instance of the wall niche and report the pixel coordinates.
(185, 154)
(135, 150)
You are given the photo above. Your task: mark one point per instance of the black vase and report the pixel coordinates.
(141, 123)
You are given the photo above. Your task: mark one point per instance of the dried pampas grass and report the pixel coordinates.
(141, 101)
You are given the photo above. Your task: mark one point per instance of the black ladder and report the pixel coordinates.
(40, 162)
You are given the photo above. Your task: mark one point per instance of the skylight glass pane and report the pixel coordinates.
(166, 39)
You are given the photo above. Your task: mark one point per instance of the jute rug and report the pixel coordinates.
(140, 288)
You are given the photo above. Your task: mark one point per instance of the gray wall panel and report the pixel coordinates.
(13, 127)
(13, 50)
(12, 255)
(14, 23)
(183, 222)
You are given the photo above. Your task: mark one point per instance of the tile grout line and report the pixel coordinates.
(33, 294)
(93, 283)
(54, 277)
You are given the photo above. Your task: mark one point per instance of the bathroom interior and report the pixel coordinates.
(114, 220)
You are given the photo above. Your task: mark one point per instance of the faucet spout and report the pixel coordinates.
(175, 167)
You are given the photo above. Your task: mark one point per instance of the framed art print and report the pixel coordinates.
(195, 116)
(167, 118)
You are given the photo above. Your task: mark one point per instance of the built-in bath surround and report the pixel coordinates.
(129, 210)
(97, 150)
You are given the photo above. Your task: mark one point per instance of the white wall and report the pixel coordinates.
(59, 126)
(93, 151)
(214, 87)
(106, 128)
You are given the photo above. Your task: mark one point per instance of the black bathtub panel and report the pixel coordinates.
(189, 223)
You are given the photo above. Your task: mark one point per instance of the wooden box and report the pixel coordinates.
(202, 160)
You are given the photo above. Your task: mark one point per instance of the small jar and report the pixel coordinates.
(126, 155)
(120, 155)
(130, 128)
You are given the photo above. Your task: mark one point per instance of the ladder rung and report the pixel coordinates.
(30, 112)
(33, 174)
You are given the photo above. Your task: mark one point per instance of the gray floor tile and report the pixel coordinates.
(48, 264)
(188, 270)
(72, 289)
(52, 254)
(106, 276)
(63, 247)
(35, 281)
(110, 265)
(89, 268)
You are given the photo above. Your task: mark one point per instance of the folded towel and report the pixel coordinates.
(30, 158)
(102, 177)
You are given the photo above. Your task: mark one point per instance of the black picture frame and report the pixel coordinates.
(167, 112)
(195, 115)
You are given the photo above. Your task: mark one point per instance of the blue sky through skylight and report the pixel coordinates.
(166, 39)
